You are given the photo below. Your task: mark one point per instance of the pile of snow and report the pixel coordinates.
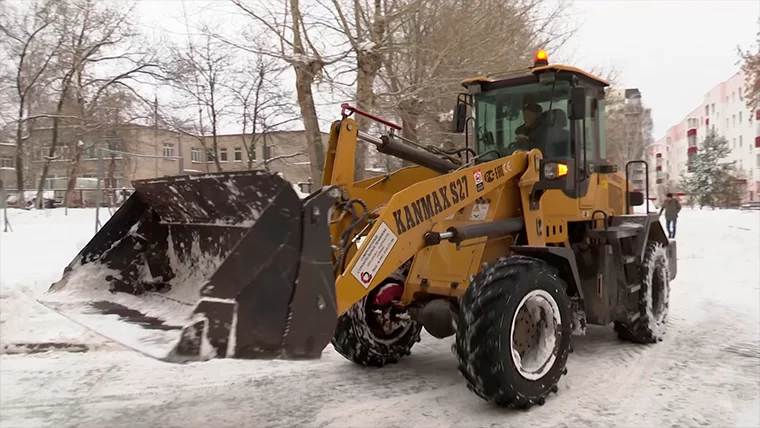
(29, 197)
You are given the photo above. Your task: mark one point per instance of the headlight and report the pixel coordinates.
(554, 170)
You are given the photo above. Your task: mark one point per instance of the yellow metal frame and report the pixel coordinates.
(406, 204)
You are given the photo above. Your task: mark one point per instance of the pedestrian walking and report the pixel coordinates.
(671, 207)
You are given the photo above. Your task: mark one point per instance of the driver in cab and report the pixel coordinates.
(532, 133)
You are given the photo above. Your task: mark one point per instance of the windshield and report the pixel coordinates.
(524, 117)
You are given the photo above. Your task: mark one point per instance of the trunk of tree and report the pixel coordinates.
(20, 152)
(214, 129)
(409, 131)
(304, 80)
(78, 148)
(53, 146)
(111, 182)
(215, 143)
(73, 173)
(250, 150)
(365, 78)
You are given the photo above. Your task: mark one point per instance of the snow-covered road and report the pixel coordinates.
(705, 373)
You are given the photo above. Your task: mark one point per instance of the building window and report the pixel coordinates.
(223, 155)
(168, 150)
(733, 143)
(740, 94)
(707, 110)
(740, 141)
(758, 159)
(195, 154)
(210, 155)
(89, 152)
(238, 154)
(8, 162)
(740, 118)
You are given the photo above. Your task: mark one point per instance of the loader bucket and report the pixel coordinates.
(224, 265)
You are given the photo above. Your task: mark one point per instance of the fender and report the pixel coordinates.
(560, 257)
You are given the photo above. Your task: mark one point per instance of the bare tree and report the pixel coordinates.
(264, 105)
(102, 117)
(202, 72)
(98, 38)
(29, 45)
(291, 28)
(628, 125)
(445, 41)
(366, 25)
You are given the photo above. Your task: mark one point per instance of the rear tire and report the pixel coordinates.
(653, 301)
(513, 335)
(359, 338)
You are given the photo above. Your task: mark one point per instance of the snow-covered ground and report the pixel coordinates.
(705, 373)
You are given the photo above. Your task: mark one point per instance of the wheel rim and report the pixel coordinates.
(535, 334)
(385, 323)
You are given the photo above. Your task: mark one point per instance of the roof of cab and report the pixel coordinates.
(534, 70)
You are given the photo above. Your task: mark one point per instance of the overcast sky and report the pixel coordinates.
(673, 51)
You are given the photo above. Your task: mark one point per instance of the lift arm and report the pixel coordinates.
(398, 232)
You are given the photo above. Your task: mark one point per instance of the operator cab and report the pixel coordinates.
(554, 108)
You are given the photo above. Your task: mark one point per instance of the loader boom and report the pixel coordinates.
(399, 229)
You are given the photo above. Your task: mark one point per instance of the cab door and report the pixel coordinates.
(588, 189)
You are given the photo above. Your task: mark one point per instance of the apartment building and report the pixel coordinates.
(134, 152)
(723, 110)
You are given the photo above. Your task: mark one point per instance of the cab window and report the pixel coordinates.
(524, 117)
(590, 128)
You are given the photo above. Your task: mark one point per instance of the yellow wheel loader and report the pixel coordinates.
(511, 244)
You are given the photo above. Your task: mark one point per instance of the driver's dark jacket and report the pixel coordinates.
(536, 135)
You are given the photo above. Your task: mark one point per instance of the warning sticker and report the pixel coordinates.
(374, 255)
(479, 211)
(478, 180)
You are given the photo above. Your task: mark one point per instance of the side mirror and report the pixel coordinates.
(635, 198)
(460, 117)
(577, 103)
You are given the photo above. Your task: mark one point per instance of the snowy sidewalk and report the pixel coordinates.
(705, 373)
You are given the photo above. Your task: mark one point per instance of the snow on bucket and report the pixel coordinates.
(206, 266)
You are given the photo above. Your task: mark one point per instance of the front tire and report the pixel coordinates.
(513, 335)
(654, 299)
(360, 337)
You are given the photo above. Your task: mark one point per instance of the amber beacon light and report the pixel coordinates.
(541, 58)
